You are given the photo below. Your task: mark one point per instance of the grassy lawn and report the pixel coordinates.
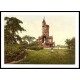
(60, 56)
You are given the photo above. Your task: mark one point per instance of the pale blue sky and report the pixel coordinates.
(61, 26)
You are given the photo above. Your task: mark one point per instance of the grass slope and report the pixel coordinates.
(60, 56)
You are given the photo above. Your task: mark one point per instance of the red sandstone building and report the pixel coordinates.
(45, 40)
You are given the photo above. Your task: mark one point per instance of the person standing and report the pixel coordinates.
(52, 50)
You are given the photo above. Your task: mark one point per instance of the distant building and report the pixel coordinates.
(45, 39)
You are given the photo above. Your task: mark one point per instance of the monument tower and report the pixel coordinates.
(45, 40)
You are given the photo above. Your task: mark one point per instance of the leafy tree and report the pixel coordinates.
(70, 43)
(11, 30)
(29, 39)
(73, 42)
(31, 43)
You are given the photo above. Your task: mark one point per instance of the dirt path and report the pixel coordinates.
(14, 62)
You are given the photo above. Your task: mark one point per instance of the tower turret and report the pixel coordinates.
(43, 22)
(45, 28)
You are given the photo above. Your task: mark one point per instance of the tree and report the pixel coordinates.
(73, 42)
(29, 39)
(11, 30)
(70, 43)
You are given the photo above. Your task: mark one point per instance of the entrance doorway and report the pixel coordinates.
(43, 39)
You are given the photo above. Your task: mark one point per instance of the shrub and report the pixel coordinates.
(13, 52)
(35, 47)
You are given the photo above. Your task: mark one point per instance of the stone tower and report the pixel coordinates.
(45, 28)
(45, 39)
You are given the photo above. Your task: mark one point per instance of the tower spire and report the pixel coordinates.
(44, 22)
(44, 18)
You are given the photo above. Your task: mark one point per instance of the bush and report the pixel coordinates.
(24, 44)
(35, 47)
(13, 52)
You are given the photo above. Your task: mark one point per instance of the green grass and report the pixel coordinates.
(60, 56)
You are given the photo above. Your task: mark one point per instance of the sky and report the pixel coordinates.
(61, 26)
